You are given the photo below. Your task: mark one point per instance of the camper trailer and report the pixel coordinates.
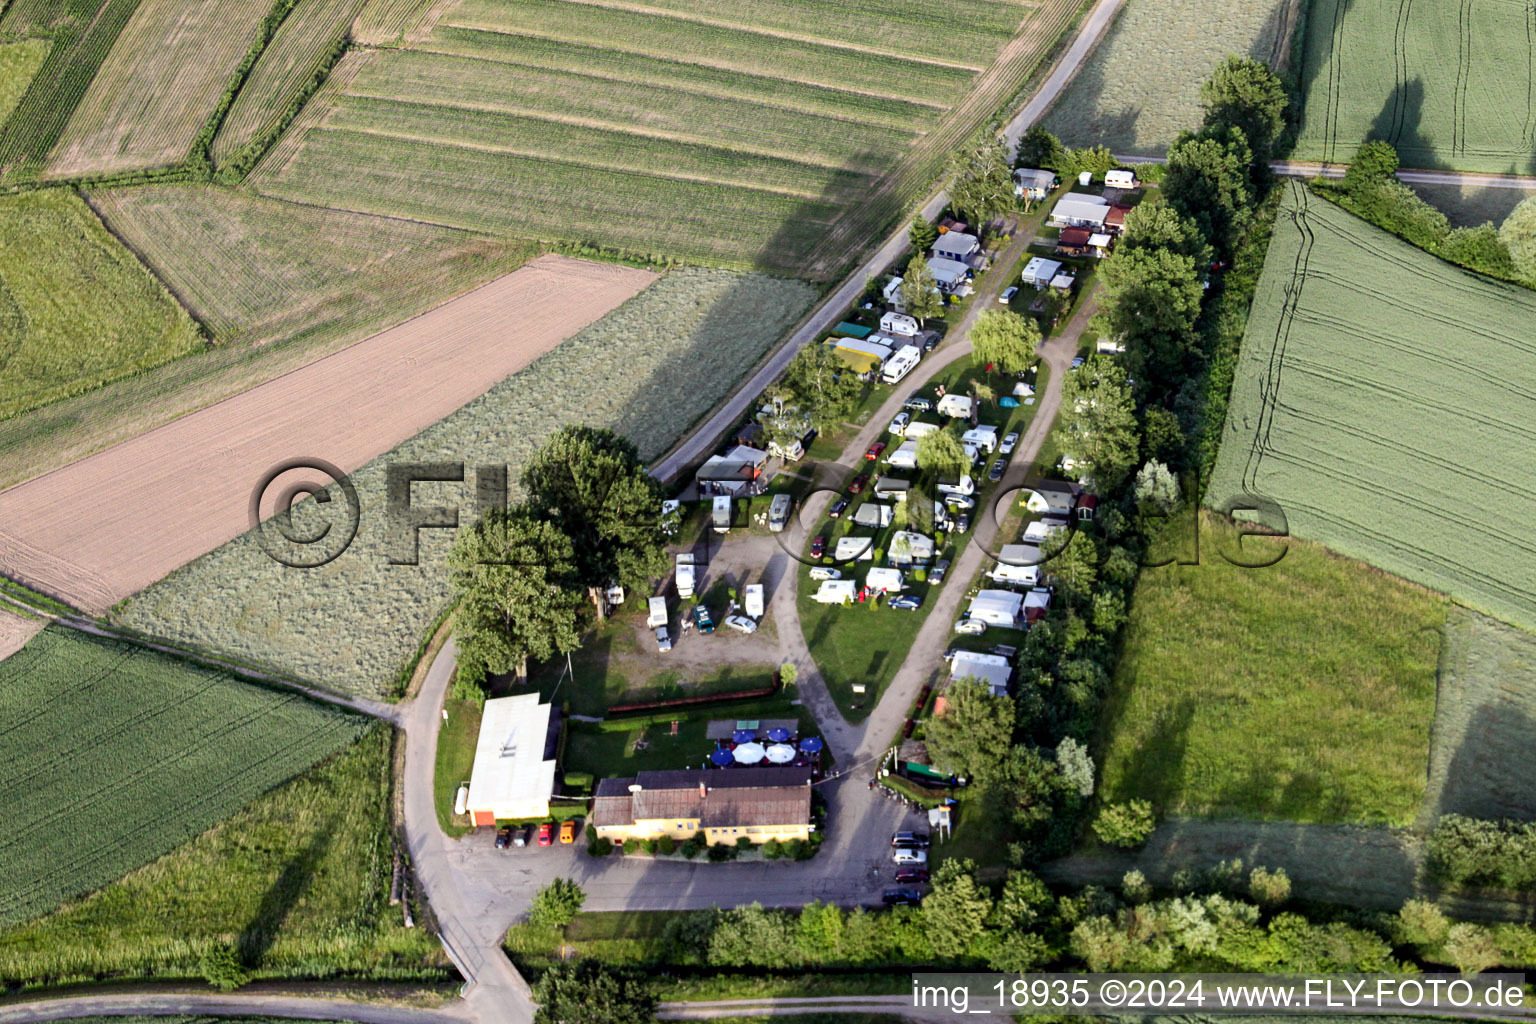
(851, 549)
(657, 613)
(892, 488)
(685, 575)
(1120, 179)
(905, 455)
(899, 324)
(984, 438)
(957, 406)
(754, 600)
(997, 608)
(964, 486)
(1019, 565)
(900, 364)
(835, 592)
(872, 515)
(921, 429)
(886, 580)
(778, 512)
(720, 518)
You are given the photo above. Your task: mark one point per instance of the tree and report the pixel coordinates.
(1208, 182)
(1269, 888)
(981, 181)
(919, 290)
(1156, 486)
(1076, 765)
(1244, 93)
(1519, 234)
(1421, 923)
(782, 420)
(955, 911)
(1135, 887)
(972, 735)
(1157, 225)
(1470, 947)
(1006, 340)
(1480, 249)
(588, 992)
(519, 594)
(822, 386)
(1040, 149)
(1098, 421)
(1375, 161)
(941, 453)
(1032, 785)
(1075, 566)
(1162, 436)
(590, 483)
(1125, 825)
(220, 966)
(1151, 301)
(922, 234)
(1096, 160)
(556, 904)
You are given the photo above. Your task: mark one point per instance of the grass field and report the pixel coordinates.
(1448, 84)
(649, 370)
(19, 62)
(388, 22)
(80, 33)
(1377, 395)
(115, 755)
(157, 87)
(298, 882)
(76, 309)
(786, 136)
(1320, 711)
(1141, 87)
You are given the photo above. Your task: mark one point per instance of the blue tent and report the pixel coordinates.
(811, 744)
(1008, 402)
(721, 758)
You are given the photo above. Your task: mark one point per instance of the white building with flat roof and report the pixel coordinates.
(514, 773)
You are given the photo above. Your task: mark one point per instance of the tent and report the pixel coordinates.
(749, 753)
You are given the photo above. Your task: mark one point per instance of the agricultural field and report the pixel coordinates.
(19, 62)
(76, 309)
(1481, 759)
(1460, 90)
(648, 370)
(1377, 399)
(116, 755)
(16, 628)
(78, 34)
(352, 406)
(786, 139)
(298, 881)
(157, 87)
(1141, 87)
(1321, 713)
(1467, 206)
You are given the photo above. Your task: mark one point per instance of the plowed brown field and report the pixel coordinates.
(107, 526)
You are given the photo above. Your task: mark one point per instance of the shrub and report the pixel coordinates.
(1125, 825)
(693, 846)
(221, 968)
(649, 846)
(1268, 888)
(788, 674)
(920, 575)
(578, 780)
(556, 905)
(721, 852)
(773, 849)
(1135, 887)
(743, 843)
(666, 845)
(631, 846)
(796, 850)
(600, 846)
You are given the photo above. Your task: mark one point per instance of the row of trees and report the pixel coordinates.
(1470, 851)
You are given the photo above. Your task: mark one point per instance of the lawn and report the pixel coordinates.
(1299, 692)
(116, 755)
(299, 881)
(1376, 399)
(456, 740)
(1448, 84)
(648, 370)
(76, 309)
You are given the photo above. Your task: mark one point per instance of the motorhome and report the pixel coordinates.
(984, 438)
(778, 512)
(754, 600)
(685, 575)
(657, 613)
(900, 364)
(905, 455)
(720, 517)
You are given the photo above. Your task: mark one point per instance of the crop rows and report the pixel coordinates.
(649, 369)
(389, 22)
(1379, 395)
(1449, 84)
(112, 755)
(310, 31)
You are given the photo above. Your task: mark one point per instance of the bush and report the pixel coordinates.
(743, 843)
(788, 674)
(631, 846)
(649, 846)
(221, 968)
(1125, 825)
(920, 575)
(773, 849)
(693, 846)
(720, 852)
(666, 845)
(796, 849)
(1268, 888)
(556, 905)
(578, 780)
(1470, 851)
(600, 846)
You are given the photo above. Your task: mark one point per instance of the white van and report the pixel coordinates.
(899, 324)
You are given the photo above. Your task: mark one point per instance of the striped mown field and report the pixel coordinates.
(777, 135)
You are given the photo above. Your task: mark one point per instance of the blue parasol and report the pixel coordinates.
(811, 744)
(778, 735)
(721, 758)
(743, 736)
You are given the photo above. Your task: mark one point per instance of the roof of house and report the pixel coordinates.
(740, 463)
(511, 765)
(1115, 218)
(1039, 268)
(956, 244)
(1034, 176)
(732, 797)
(948, 271)
(1075, 236)
(992, 669)
(1098, 238)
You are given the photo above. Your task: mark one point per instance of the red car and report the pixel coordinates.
(818, 545)
(546, 834)
(912, 875)
(875, 450)
(858, 483)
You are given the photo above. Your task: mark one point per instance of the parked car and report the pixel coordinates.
(931, 341)
(938, 572)
(741, 624)
(1077, 361)
(970, 627)
(521, 836)
(908, 855)
(858, 483)
(546, 833)
(917, 403)
(1010, 441)
(1008, 294)
(504, 837)
(821, 572)
(663, 639)
(912, 875)
(960, 501)
(818, 546)
(907, 602)
(702, 619)
(899, 424)
(837, 507)
(995, 471)
(915, 840)
(875, 451)
(567, 832)
(901, 897)
(963, 524)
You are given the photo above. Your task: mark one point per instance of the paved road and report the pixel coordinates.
(1305, 169)
(163, 1004)
(831, 309)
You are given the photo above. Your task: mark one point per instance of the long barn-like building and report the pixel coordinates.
(724, 805)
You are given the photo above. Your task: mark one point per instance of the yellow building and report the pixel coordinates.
(723, 804)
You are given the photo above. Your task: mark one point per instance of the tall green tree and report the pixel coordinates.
(588, 992)
(557, 904)
(1005, 339)
(942, 454)
(1098, 420)
(1519, 234)
(822, 386)
(971, 737)
(519, 594)
(1038, 148)
(590, 483)
(1374, 161)
(1244, 93)
(1157, 225)
(1151, 300)
(1208, 182)
(922, 234)
(919, 290)
(955, 911)
(981, 180)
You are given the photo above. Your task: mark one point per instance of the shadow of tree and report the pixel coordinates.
(280, 898)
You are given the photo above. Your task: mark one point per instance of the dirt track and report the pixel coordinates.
(109, 525)
(15, 631)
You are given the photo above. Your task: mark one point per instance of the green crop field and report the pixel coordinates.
(1448, 84)
(1321, 710)
(649, 369)
(1141, 87)
(19, 62)
(1381, 399)
(787, 136)
(298, 881)
(114, 755)
(76, 309)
